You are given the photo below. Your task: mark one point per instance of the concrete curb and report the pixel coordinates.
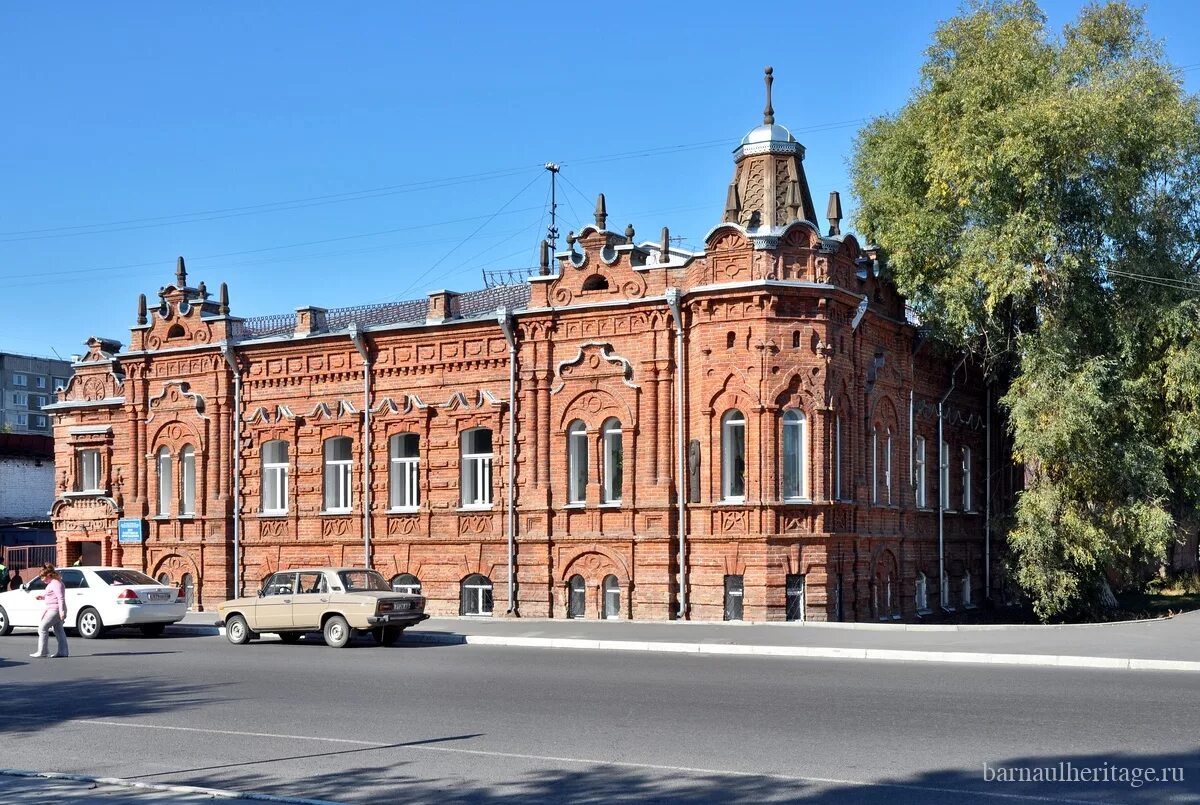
(215, 793)
(808, 652)
(811, 652)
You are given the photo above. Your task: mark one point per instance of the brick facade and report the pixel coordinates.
(772, 316)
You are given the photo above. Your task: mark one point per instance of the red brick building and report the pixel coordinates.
(637, 431)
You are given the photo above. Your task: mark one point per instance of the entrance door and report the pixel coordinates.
(733, 598)
(612, 597)
(795, 597)
(576, 597)
(89, 553)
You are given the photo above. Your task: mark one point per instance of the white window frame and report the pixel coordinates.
(966, 479)
(404, 473)
(612, 452)
(919, 488)
(476, 468)
(20, 380)
(476, 593)
(336, 496)
(39, 421)
(577, 463)
(410, 587)
(41, 382)
(874, 465)
(921, 593)
(278, 471)
(187, 481)
(88, 466)
(23, 420)
(887, 466)
(794, 429)
(60, 382)
(733, 425)
(165, 481)
(21, 398)
(944, 475)
(965, 591)
(606, 590)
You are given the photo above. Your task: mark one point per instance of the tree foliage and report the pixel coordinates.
(1039, 202)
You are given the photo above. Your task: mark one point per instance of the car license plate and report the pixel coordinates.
(159, 596)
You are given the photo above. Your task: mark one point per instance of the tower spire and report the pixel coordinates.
(180, 273)
(768, 111)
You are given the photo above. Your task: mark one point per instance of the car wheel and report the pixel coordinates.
(386, 636)
(337, 632)
(291, 637)
(89, 624)
(5, 625)
(236, 630)
(152, 629)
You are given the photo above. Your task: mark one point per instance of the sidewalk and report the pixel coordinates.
(1171, 644)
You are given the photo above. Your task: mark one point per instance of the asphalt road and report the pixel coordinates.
(501, 725)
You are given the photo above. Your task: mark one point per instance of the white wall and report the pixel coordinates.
(26, 489)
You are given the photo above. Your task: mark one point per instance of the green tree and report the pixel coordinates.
(1039, 202)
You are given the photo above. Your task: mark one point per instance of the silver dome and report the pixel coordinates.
(767, 134)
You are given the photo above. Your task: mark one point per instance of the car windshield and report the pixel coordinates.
(362, 580)
(123, 578)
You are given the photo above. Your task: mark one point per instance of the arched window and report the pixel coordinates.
(187, 480)
(792, 473)
(576, 596)
(944, 476)
(796, 339)
(729, 339)
(404, 471)
(339, 473)
(922, 593)
(919, 472)
(476, 464)
(733, 456)
(275, 477)
(406, 583)
(966, 479)
(577, 462)
(189, 589)
(874, 465)
(164, 482)
(837, 458)
(596, 282)
(476, 595)
(612, 597)
(164, 578)
(614, 461)
(887, 467)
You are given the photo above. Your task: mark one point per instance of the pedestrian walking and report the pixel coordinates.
(16, 581)
(54, 615)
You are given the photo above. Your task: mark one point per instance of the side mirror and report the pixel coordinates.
(261, 592)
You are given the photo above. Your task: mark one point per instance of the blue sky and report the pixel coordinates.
(340, 154)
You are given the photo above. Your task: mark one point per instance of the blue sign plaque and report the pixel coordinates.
(131, 531)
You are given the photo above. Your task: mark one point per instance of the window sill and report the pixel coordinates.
(186, 517)
(85, 493)
(404, 510)
(613, 504)
(923, 611)
(730, 502)
(476, 507)
(575, 506)
(273, 514)
(796, 501)
(160, 517)
(335, 512)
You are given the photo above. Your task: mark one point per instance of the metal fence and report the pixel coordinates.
(20, 557)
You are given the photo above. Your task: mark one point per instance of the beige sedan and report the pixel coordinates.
(338, 602)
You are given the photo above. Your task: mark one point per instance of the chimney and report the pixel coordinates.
(310, 320)
(440, 306)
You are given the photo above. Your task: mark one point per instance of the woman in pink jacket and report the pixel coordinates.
(54, 615)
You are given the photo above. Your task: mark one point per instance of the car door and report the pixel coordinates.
(76, 587)
(274, 608)
(312, 598)
(25, 604)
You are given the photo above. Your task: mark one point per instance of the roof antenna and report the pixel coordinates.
(768, 112)
(552, 231)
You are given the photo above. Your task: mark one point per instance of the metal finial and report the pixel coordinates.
(666, 245)
(834, 213)
(629, 234)
(601, 212)
(142, 309)
(180, 273)
(571, 238)
(769, 111)
(202, 289)
(544, 264)
(224, 308)
(733, 204)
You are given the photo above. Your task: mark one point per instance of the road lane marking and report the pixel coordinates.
(595, 762)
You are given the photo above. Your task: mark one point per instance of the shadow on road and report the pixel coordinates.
(35, 705)
(397, 781)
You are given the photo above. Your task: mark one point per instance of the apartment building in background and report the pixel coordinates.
(26, 384)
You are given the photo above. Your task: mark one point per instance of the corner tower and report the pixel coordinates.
(769, 189)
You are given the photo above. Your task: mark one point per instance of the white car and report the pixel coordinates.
(98, 598)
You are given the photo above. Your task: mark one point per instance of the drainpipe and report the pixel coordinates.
(987, 497)
(227, 353)
(506, 324)
(357, 339)
(673, 298)
(943, 475)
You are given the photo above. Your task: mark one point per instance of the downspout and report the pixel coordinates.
(943, 493)
(673, 299)
(987, 497)
(357, 339)
(227, 353)
(506, 324)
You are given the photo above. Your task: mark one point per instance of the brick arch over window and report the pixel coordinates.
(175, 565)
(597, 561)
(592, 407)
